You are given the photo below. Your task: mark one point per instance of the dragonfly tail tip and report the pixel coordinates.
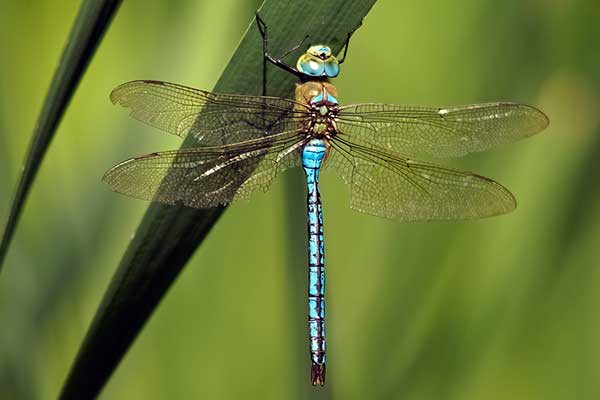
(317, 372)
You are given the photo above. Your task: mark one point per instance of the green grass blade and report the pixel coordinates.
(92, 20)
(168, 236)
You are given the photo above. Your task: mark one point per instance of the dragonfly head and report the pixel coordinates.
(318, 61)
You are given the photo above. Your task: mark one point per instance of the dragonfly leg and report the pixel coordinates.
(348, 36)
(277, 61)
(294, 48)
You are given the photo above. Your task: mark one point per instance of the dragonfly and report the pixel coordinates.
(242, 142)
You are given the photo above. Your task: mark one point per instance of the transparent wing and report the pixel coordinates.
(225, 118)
(205, 177)
(438, 132)
(403, 189)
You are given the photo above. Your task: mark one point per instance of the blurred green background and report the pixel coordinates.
(503, 308)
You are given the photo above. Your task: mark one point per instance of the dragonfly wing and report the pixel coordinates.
(212, 119)
(403, 189)
(438, 132)
(204, 177)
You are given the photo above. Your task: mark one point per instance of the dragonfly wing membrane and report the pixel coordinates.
(438, 132)
(213, 119)
(201, 177)
(403, 189)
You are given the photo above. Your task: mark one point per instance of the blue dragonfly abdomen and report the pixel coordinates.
(312, 157)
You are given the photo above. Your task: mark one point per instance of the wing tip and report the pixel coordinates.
(107, 178)
(118, 96)
(541, 117)
(117, 169)
(510, 203)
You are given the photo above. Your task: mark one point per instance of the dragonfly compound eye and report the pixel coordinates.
(318, 61)
(310, 65)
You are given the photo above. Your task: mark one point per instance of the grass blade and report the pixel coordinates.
(92, 20)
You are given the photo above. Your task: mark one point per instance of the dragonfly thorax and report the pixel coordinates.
(320, 99)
